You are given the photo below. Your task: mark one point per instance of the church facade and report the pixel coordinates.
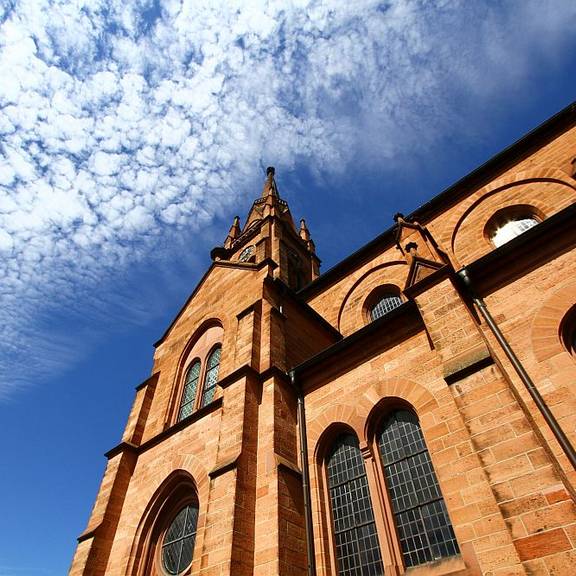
(412, 410)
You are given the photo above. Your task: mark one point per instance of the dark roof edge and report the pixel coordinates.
(560, 121)
(408, 307)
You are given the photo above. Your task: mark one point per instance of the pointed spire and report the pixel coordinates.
(234, 232)
(305, 235)
(270, 184)
(304, 232)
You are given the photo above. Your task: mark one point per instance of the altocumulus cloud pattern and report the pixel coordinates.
(124, 123)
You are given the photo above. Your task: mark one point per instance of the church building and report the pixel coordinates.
(410, 411)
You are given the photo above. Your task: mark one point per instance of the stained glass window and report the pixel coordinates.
(211, 377)
(385, 304)
(178, 545)
(422, 521)
(357, 549)
(189, 392)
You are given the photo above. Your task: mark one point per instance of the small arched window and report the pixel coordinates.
(189, 392)
(510, 222)
(211, 377)
(424, 528)
(356, 541)
(386, 303)
(179, 540)
(511, 229)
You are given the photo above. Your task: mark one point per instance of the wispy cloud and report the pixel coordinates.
(125, 124)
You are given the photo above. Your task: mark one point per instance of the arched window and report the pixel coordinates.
(511, 229)
(510, 222)
(424, 528)
(189, 392)
(211, 377)
(179, 539)
(166, 534)
(356, 541)
(386, 303)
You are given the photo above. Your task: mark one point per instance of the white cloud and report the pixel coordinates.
(119, 126)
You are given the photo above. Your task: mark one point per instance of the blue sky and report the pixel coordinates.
(132, 133)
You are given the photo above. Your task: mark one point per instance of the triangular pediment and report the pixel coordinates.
(421, 268)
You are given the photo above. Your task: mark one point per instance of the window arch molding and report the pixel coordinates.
(568, 331)
(351, 315)
(461, 233)
(177, 491)
(206, 337)
(359, 417)
(552, 323)
(540, 174)
(379, 412)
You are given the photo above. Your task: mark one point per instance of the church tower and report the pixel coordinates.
(411, 411)
(207, 478)
(270, 233)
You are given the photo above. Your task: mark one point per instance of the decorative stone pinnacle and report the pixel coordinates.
(304, 232)
(233, 233)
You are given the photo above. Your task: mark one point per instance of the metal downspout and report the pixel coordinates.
(305, 477)
(526, 380)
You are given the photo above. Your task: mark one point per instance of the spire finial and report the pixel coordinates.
(270, 184)
(234, 232)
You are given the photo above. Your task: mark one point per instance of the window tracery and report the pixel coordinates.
(356, 541)
(179, 540)
(189, 392)
(211, 377)
(422, 523)
(413, 516)
(385, 304)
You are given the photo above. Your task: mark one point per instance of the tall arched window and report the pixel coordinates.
(356, 541)
(424, 528)
(211, 377)
(179, 540)
(189, 392)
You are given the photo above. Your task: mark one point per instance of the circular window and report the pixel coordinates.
(246, 254)
(178, 545)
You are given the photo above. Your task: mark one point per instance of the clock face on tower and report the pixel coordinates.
(246, 254)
